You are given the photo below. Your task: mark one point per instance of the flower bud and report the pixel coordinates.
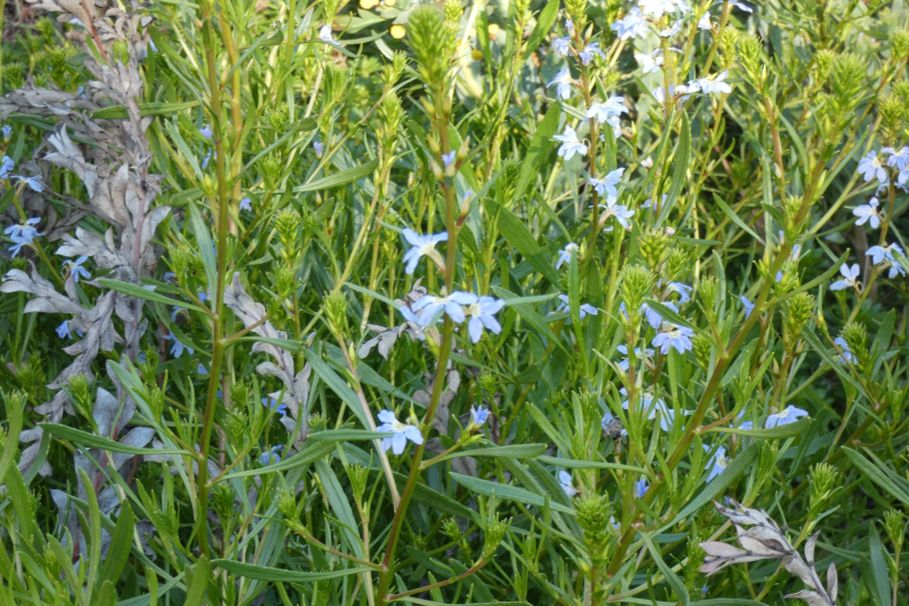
(797, 313)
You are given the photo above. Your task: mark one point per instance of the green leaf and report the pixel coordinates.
(879, 583)
(120, 545)
(338, 179)
(878, 473)
(83, 438)
(545, 20)
(281, 575)
(678, 587)
(310, 453)
(197, 580)
(512, 451)
(780, 431)
(206, 248)
(152, 108)
(507, 492)
(578, 464)
(539, 148)
(517, 235)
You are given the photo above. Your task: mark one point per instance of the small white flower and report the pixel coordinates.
(657, 8)
(561, 46)
(868, 213)
(704, 22)
(606, 186)
(884, 254)
(402, 432)
(566, 483)
(649, 62)
(325, 34)
(711, 85)
(850, 277)
(632, 25)
(621, 213)
(608, 111)
(570, 144)
(430, 307)
(591, 50)
(846, 355)
(562, 82)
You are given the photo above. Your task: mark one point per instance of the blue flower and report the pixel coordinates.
(561, 46)
(850, 277)
(868, 213)
(711, 85)
(621, 213)
(640, 487)
(717, 463)
(63, 330)
(788, 415)
(246, 204)
(654, 407)
(430, 307)
(606, 186)
(570, 144)
(673, 336)
(884, 255)
(448, 159)
(626, 361)
(479, 415)
(6, 167)
(422, 246)
(654, 318)
(206, 131)
(271, 456)
(748, 305)
(33, 183)
(610, 422)
(402, 432)
(566, 254)
(899, 159)
(583, 311)
(318, 147)
(587, 55)
(562, 82)
(177, 348)
(271, 404)
(325, 34)
(632, 25)
(482, 315)
(22, 234)
(846, 355)
(6, 130)
(75, 268)
(566, 483)
(871, 167)
(609, 112)
(683, 290)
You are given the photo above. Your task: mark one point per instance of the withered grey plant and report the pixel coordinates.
(113, 165)
(760, 538)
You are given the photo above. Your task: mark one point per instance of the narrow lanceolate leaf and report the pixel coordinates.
(338, 179)
(281, 575)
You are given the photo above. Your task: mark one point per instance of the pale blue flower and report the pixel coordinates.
(76, 269)
(717, 462)
(655, 407)
(899, 159)
(422, 246)
(177, 347)
(711, 85)
(621, 213)
(683, 290)
(561, 46)
(632, 25)
(884, 254)
(566, 254)
(672, 30)
(748, 305)
(653, 317)
(640, 487)
(430, 307)
(608, 421)
(449, 158)
(478, 415)
(788, 415)
(850, 277)
(6, 130)
(271, 456)
(63, 330)
(402, 432)
(625, 362)
(318, 147)
(608, 111)
(657, 8)
(482, 316)
(570, 144)
(562, 82)
(567, 484)
(272, 405)
(673, 336)
(846, 355)
(34, 183)
(649, 62)
(704, 22)
(583, 311)
(6, 167)
(868, 213)
(589, 52)
(246, 204)
(325, 34)
(22, 234)
(871, 167)
(607, 186)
